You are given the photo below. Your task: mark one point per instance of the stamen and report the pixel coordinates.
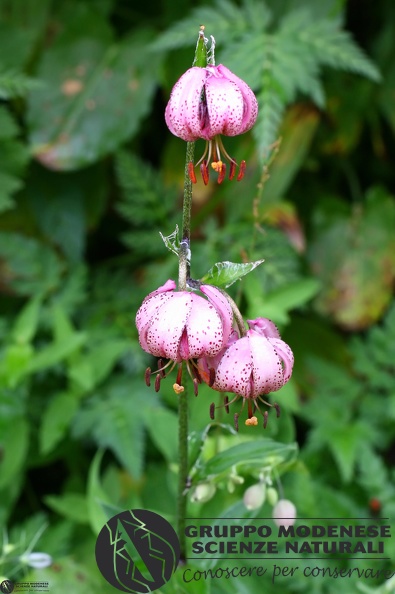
(251, 421)
(161, 368)
(265, 419)
(212, 377)
(157, 383)
(148, 376)
(212, 411)
(178, 389)
(179, 375)
(249, 409)
(222, 173)
(236, 421)
(226, 403)
(191, 172)
(242, 169)
(277, 407)
(204, 170)
(232, 170)
(195, 387)
(217, 166)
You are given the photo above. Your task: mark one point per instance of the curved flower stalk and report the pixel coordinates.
(183, 326)
(207, 103)
(250, 366)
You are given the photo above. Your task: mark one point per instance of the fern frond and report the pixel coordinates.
(14, 157)
(327, 43)
(143, 194)
(337, 49)
(15, 84)
(224, 19)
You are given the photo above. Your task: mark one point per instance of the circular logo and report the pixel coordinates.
(7, 586)
(137, 551)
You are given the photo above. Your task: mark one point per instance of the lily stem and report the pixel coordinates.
(185, 245)
(184, 263)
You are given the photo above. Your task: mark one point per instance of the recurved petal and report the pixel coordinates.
(204, 329)
(286, 355)
(164, 334)
(250, 102)
(265, 327)
(267, 369)
(234, 370)
(185, 111)
(223, 308)
(225, 105)
(149, 309)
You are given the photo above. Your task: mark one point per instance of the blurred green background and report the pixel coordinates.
(89, 176)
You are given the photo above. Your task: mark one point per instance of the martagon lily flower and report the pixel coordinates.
(250, 366)
(183, 326)
(206, 103)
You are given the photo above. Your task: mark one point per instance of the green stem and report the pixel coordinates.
(183, 468)
(184, 252)
(183, 276)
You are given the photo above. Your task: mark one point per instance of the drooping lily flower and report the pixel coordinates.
(206, 103)
(253, 365)
(182, 326)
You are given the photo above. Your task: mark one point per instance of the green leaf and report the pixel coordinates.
(14, 439)
(224, 274)
(92, 367)
(56, 420)
(99, 94)
(115, 418)
(14, 158)
(162, 425)
(56, 352)
(255, 454)
(96, 496)
(353, 255)
(25, 325)
(70, 505)
(345, 444)
(30, 266)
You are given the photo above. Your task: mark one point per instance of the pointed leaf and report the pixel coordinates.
(224, 274)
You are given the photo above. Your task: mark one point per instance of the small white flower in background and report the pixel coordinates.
(254, 496)
(203, 492)
(36, 560)
(284, 513)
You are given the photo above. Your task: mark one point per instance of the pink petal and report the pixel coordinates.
(184, 114)
(204, 329)
(249, 99)
(233, 373)
(267, 368)
(225, 106)
(286, 355)
(151, 304)
(265, 327)
(166, 328)
(223, 308)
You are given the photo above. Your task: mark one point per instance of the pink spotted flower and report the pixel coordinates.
(250, 366)
(183, 326)
(206, 103)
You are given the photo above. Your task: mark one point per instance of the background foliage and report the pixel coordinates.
(89, 175)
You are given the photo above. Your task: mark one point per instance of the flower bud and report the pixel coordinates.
(272, 495)
(284, 513)
(254, 496)
(203, 492)
(37, 560)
